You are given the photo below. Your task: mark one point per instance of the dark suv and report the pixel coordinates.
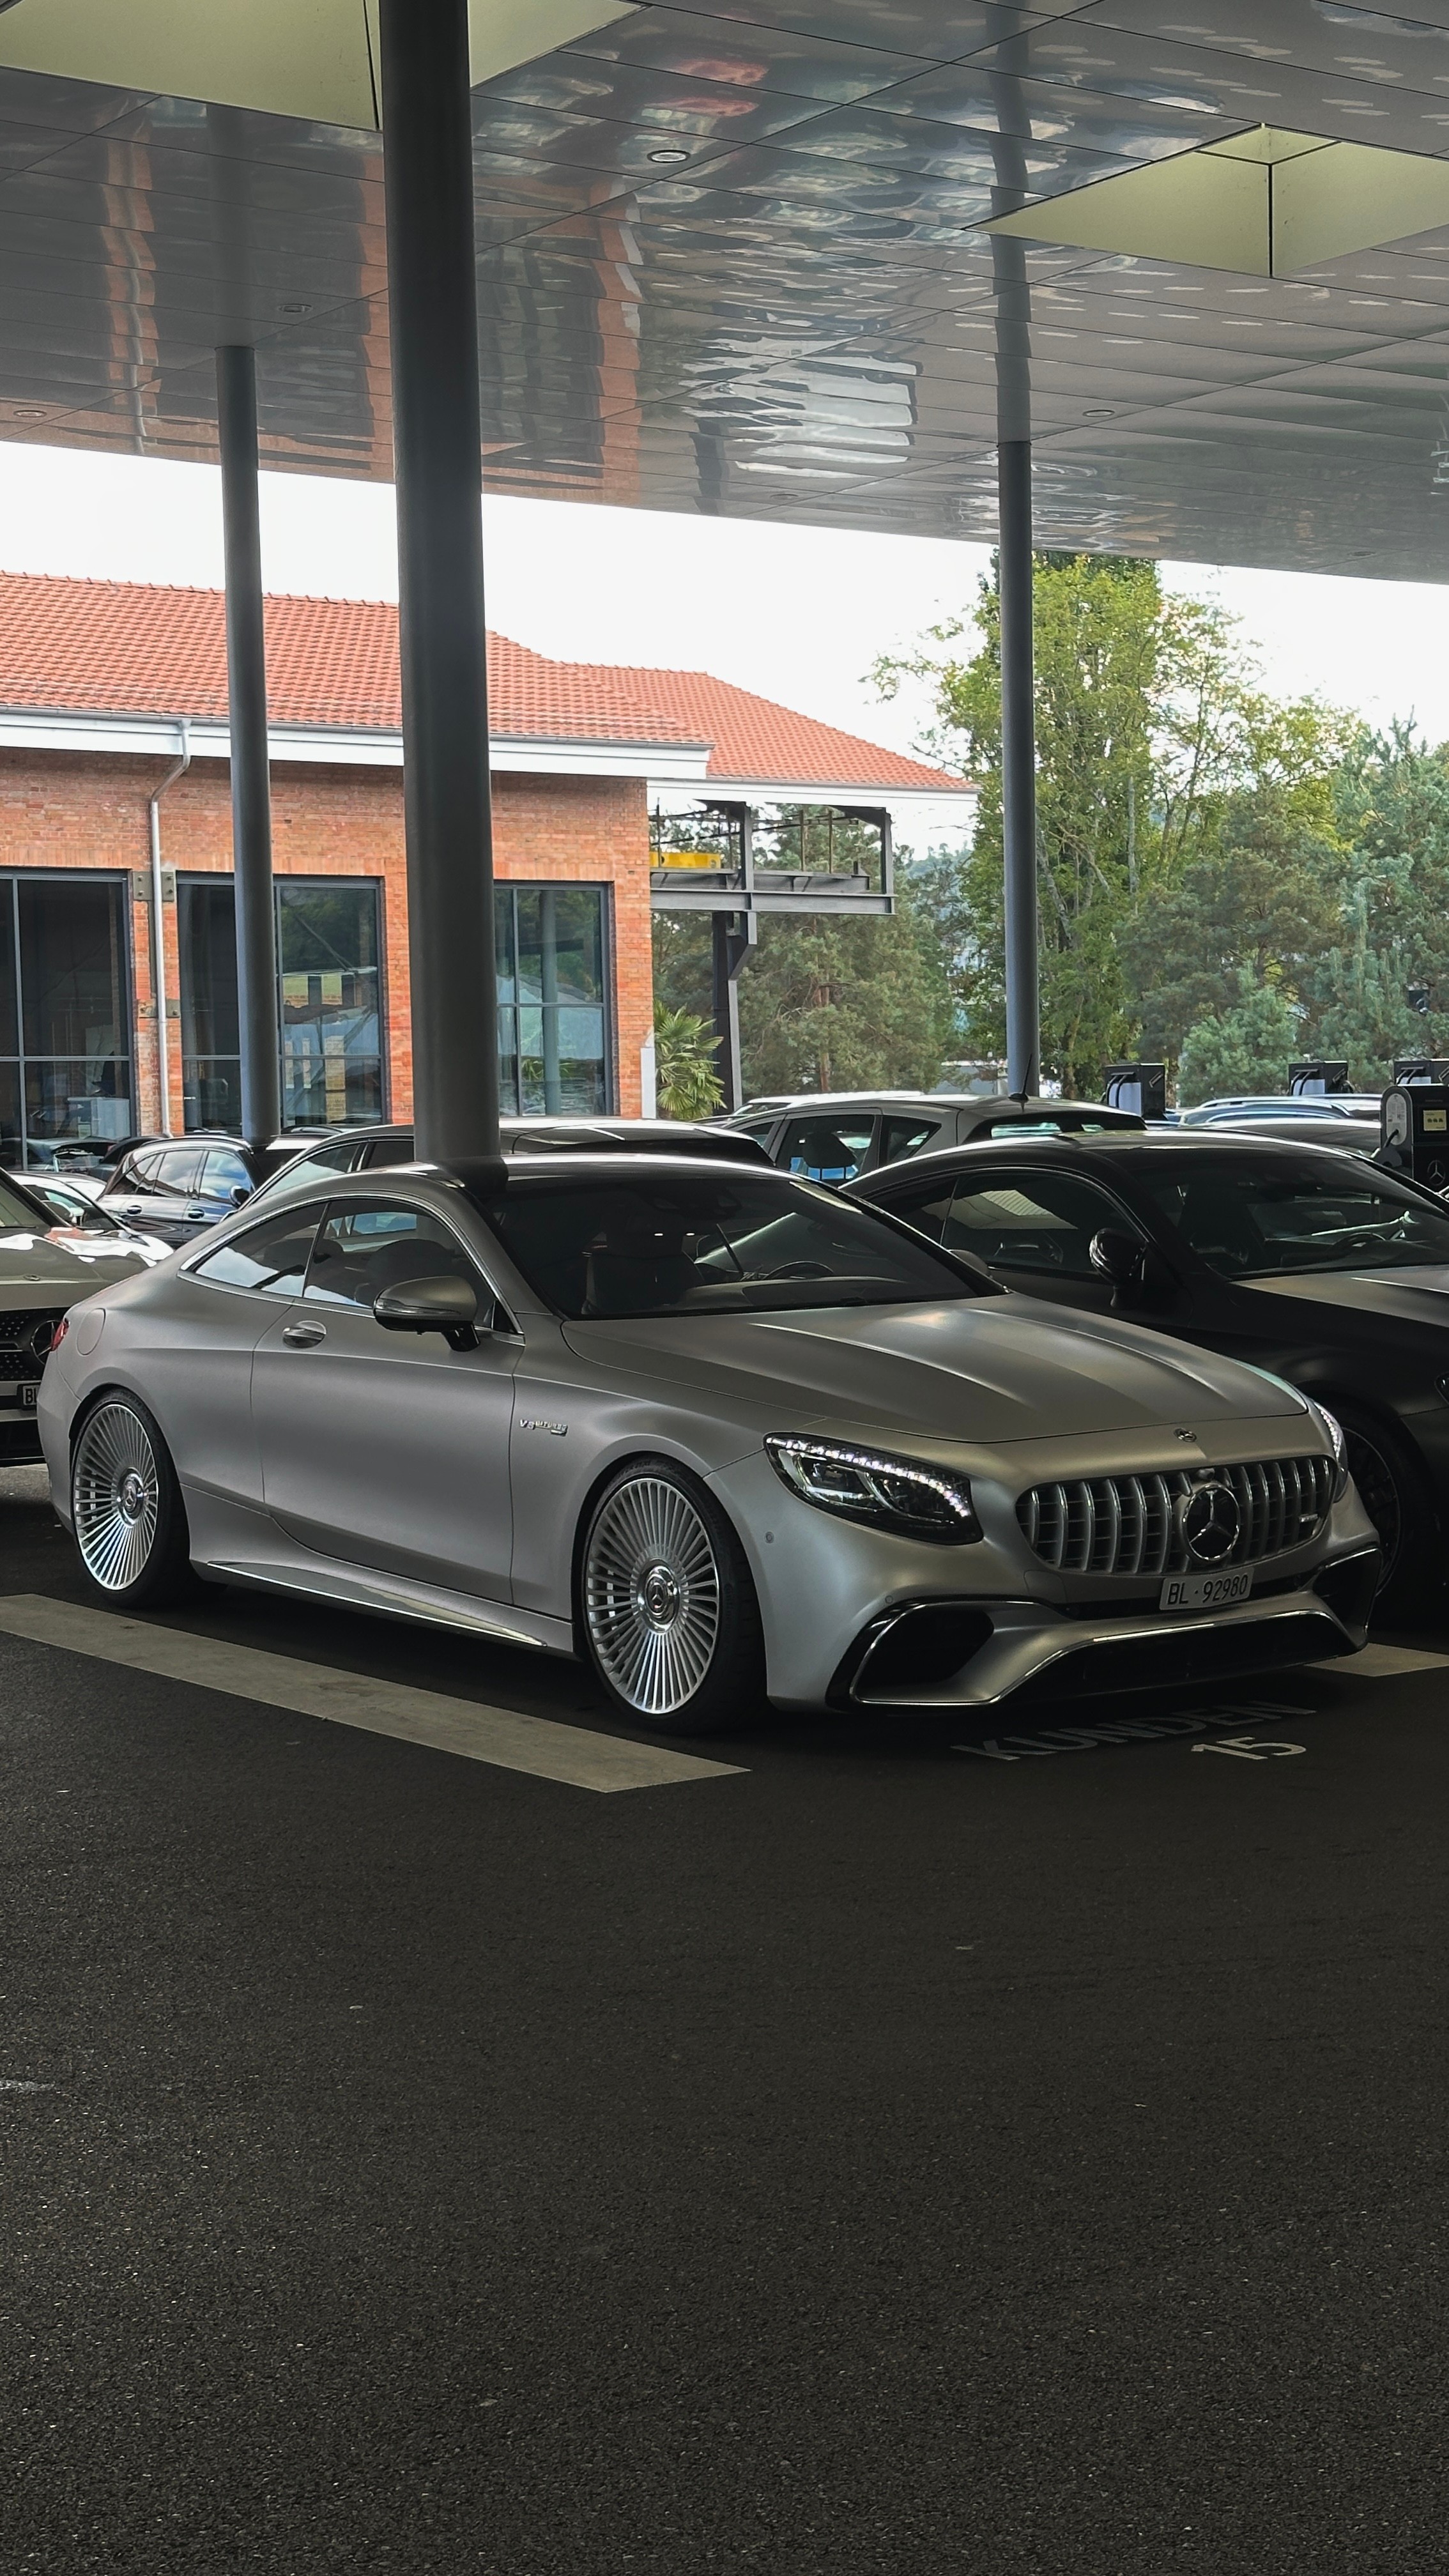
(835, 1135)
(176, 1186)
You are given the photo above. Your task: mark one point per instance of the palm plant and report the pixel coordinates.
(686, 1084)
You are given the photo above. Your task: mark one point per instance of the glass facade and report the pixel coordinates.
(329, 1001)
(65, 1010)
(553, 1033)
(554, 1041)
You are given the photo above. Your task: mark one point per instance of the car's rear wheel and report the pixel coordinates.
(127, 1510)
(667, 1606)
(1395, 1493)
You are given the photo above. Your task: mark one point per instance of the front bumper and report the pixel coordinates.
(974, 1654)
(853, 1616)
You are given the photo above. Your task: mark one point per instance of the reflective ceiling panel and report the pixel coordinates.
(733, 259)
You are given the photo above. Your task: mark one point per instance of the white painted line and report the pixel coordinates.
(539, 1745)
(1384, 1664)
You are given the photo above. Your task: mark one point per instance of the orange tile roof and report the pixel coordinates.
(759, 743)
(126, 648)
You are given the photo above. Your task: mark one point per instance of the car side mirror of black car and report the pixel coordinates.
(1135, 1269)
(239, 1193)
(448, 1306)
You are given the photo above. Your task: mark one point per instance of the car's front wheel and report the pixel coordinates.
(127, 1508)
(1395, 1493)
(667, 1605)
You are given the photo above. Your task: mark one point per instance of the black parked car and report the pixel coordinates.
(176, 1186)
(833, 1135)
(1309, 1263)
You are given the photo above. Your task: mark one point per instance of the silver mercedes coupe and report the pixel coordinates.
(716, 1430)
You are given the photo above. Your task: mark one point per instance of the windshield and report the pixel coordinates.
(1264, 1218)
(626, 1245)
(21, 1215)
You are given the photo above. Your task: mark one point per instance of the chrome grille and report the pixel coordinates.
(25, 1338)
(1129, 1524)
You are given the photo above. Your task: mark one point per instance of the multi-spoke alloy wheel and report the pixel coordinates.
(652, 1595)
(130, 1525)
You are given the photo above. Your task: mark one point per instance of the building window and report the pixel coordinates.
(328, 1002)
(65, 1012)
(553, 1036)
(210, 1039)
(327, 956)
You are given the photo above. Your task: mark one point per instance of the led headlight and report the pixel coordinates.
(1334, 1429)
(897, 1494)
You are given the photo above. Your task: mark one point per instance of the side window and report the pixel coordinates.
(138, 1170)
(825, 1149)
(927, 1208)
(901, 1137)
(269, 1259)
(363, 1249)
(324, 1166)
(387, 1152)
(1032, 1221)
(177, 1172)
(221, 1173)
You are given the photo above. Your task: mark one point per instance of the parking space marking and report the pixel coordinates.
(542, 1746)
(1383, 1664)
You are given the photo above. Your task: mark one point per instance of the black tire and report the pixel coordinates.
(666, 1604)
(126, 1508)
(1396, 1494)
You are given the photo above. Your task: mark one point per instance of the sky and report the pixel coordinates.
(798, 614)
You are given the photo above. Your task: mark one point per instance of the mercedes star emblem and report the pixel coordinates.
(1211, 1523)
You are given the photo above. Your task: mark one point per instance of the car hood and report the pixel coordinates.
(1008, 1368)
(38, 1265)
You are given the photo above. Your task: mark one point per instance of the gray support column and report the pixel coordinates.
(734, 937)
(1018, 768)
(428, 175)
(1009, 148)
(251, 785)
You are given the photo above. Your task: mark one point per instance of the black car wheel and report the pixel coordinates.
(127, 1510)
(667, 1605)
(1395, 1493)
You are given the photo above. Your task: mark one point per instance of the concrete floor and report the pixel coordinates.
(883, 2158)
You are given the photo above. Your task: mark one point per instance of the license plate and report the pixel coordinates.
(27, 1395)
(1205, 1591)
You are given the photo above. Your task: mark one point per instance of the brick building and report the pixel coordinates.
(114, 792)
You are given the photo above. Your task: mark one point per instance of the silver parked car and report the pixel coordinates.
(50, 1255)
(714, 1428)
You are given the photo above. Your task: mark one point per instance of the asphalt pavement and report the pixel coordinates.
(878, 2156)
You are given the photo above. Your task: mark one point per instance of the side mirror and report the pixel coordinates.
(448, 1306)
(239, 1193)
(1136, 1269)
(1116, 1255)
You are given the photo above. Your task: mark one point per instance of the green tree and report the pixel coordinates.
(830, 1004)
(1262, 903)
(1392, 807)
(685, 1081)
(1138, 717)
(826, 1002)
(1245, 1047)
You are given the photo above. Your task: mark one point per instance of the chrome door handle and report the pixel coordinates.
(304, 1337)
(197, 1215)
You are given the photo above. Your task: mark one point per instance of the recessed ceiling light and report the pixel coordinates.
(296, 308)
(671, 157)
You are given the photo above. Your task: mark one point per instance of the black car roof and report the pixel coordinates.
(1151, 1145)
